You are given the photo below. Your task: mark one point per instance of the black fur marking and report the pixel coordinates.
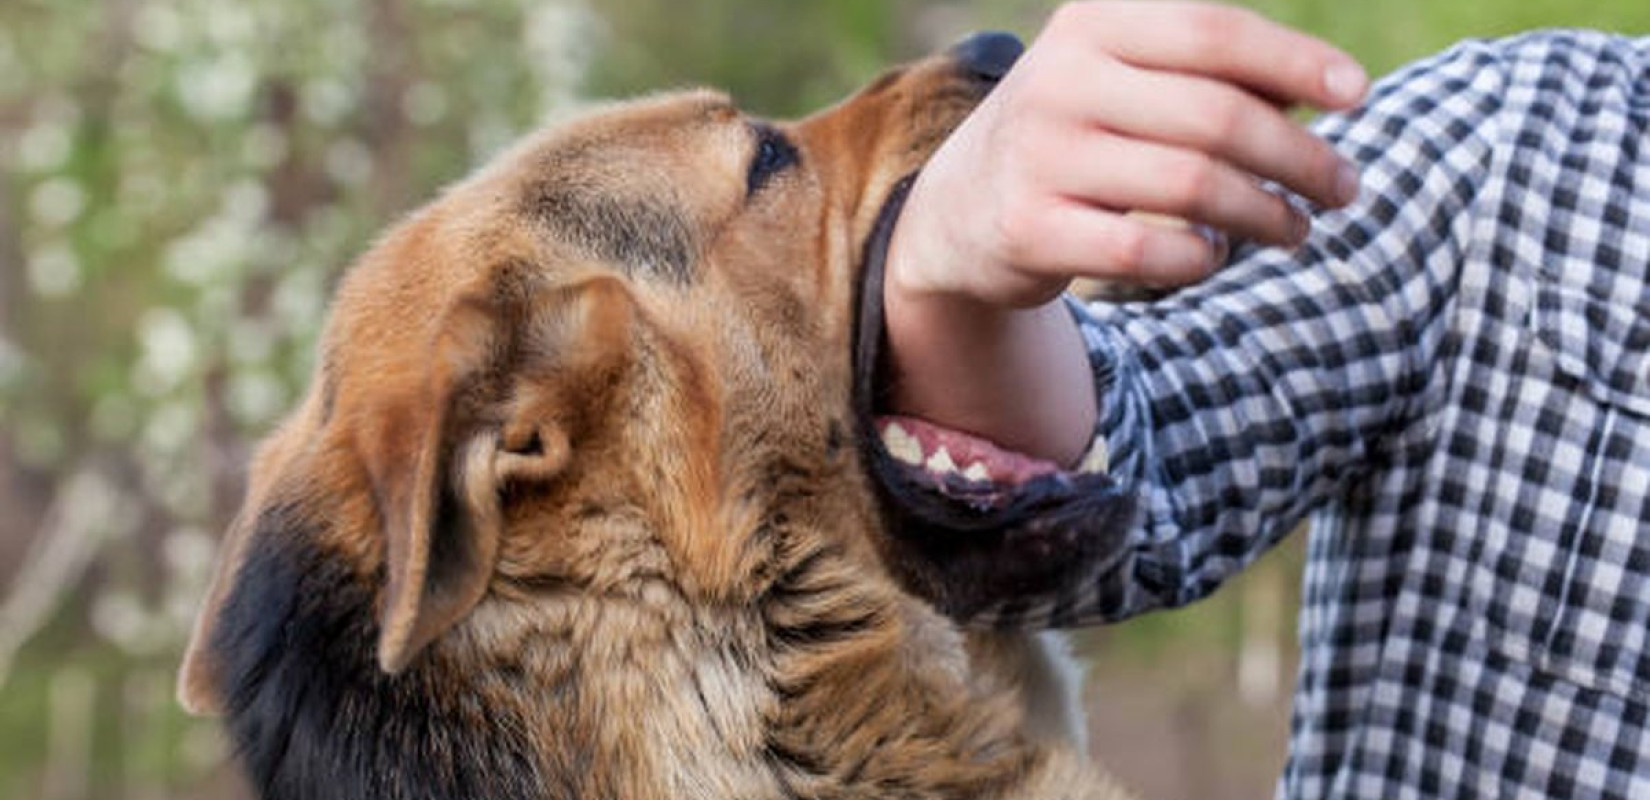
(790, 588)
(648, 237)
(312, 716)
(835, 436)
(823, 632)
(798, 759)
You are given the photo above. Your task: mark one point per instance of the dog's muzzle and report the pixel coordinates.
(983, 549)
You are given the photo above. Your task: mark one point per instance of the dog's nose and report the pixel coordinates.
(988, 55)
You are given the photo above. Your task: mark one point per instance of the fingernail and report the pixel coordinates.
(1300, 228)
(1345, 82)
(1347, 183)
(1219, 247)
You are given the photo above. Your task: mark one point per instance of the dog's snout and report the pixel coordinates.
(988, 55)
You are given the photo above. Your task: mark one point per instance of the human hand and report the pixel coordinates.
(1178, 109)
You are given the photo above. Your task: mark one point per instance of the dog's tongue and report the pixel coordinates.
(944, 451)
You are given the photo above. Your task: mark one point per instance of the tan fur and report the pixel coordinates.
(623, 503)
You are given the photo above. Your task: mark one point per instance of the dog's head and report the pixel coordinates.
(620, 351)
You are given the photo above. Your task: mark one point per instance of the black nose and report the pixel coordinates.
(988, 55)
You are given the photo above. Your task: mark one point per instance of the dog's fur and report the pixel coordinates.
(574, 507)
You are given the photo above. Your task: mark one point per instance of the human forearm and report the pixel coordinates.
(1038, 400)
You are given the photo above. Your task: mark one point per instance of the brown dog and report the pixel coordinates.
(579, 504)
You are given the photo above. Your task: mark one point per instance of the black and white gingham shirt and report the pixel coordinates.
(1452, 380)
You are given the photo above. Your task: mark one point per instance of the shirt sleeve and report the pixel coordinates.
(1237, 407)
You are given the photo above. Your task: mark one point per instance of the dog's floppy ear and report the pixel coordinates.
(492, 402)
(498, 411)
(432, 479)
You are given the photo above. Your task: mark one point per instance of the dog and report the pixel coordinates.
(588, 497)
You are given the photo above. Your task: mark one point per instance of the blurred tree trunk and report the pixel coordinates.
(392, 73)
(20, 498)
(11, 257)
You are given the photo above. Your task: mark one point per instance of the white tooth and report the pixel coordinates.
(941, 462)
(977, 472)
(1097, 459)
(901, 445)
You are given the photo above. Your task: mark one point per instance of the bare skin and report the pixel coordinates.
(1178, 109)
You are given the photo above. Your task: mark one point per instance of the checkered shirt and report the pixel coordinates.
(1451, 379)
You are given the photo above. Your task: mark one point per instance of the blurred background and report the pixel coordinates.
(181, 182)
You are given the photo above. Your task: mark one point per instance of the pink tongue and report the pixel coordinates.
(1004, 466)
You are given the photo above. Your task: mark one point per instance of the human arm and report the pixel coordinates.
(1244, 403)
(1117, 106)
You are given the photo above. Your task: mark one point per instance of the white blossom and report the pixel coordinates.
(169, 351)
(54, 271)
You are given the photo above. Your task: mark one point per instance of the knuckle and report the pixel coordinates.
(1191, 180)
(1305, 66)
(1016, 227)
(1225, 117)
(1210, 27)
(1228, 20)
(1126, 248)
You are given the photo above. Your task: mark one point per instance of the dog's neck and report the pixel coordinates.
(635, 691)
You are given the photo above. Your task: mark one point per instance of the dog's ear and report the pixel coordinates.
(503, 400)
(493, 403)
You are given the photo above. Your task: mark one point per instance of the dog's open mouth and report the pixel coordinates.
(987, 534)
(965, 468)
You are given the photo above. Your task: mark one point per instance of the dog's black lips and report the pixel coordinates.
(978, 557)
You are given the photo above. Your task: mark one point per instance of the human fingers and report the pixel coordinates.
(1066, 238)
(1226, 122)
(1217, 41)
(1173, 181)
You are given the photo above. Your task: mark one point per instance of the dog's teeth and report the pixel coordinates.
(977, 472)
(1097, 460)
(941, 462)
(901, 445)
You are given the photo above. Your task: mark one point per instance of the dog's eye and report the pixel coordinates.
(773, 155)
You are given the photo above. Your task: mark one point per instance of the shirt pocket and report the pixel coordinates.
(1594, 618)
